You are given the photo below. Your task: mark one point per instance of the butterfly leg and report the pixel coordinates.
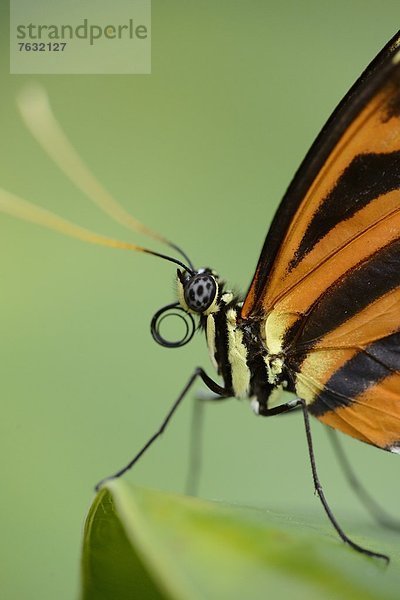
(210, 383)
(290, 406)
(319, 490)
(195, 450)
(369, 503)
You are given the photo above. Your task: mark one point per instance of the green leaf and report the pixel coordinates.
(144, 544)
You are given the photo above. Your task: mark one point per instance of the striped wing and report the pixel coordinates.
(327, 285)
(350, 376)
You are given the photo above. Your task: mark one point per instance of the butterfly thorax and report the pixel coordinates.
(236, 346)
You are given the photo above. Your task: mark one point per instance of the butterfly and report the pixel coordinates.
(321, 318)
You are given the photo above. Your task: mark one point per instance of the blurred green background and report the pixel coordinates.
(201, 150)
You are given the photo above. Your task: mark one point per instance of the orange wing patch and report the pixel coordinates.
(372, 417)
(350, 377)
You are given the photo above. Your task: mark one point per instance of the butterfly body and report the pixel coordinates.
(237, 347)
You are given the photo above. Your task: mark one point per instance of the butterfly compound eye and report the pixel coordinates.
(200, 292)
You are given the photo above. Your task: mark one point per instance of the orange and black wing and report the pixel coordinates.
(327, 286)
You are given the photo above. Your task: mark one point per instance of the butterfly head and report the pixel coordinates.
(199, 294)
(198, 291)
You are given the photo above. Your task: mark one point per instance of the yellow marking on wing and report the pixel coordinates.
(276, 325)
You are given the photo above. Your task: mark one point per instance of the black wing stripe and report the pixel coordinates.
(366, 178)
(362, 371)
(371, 279)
